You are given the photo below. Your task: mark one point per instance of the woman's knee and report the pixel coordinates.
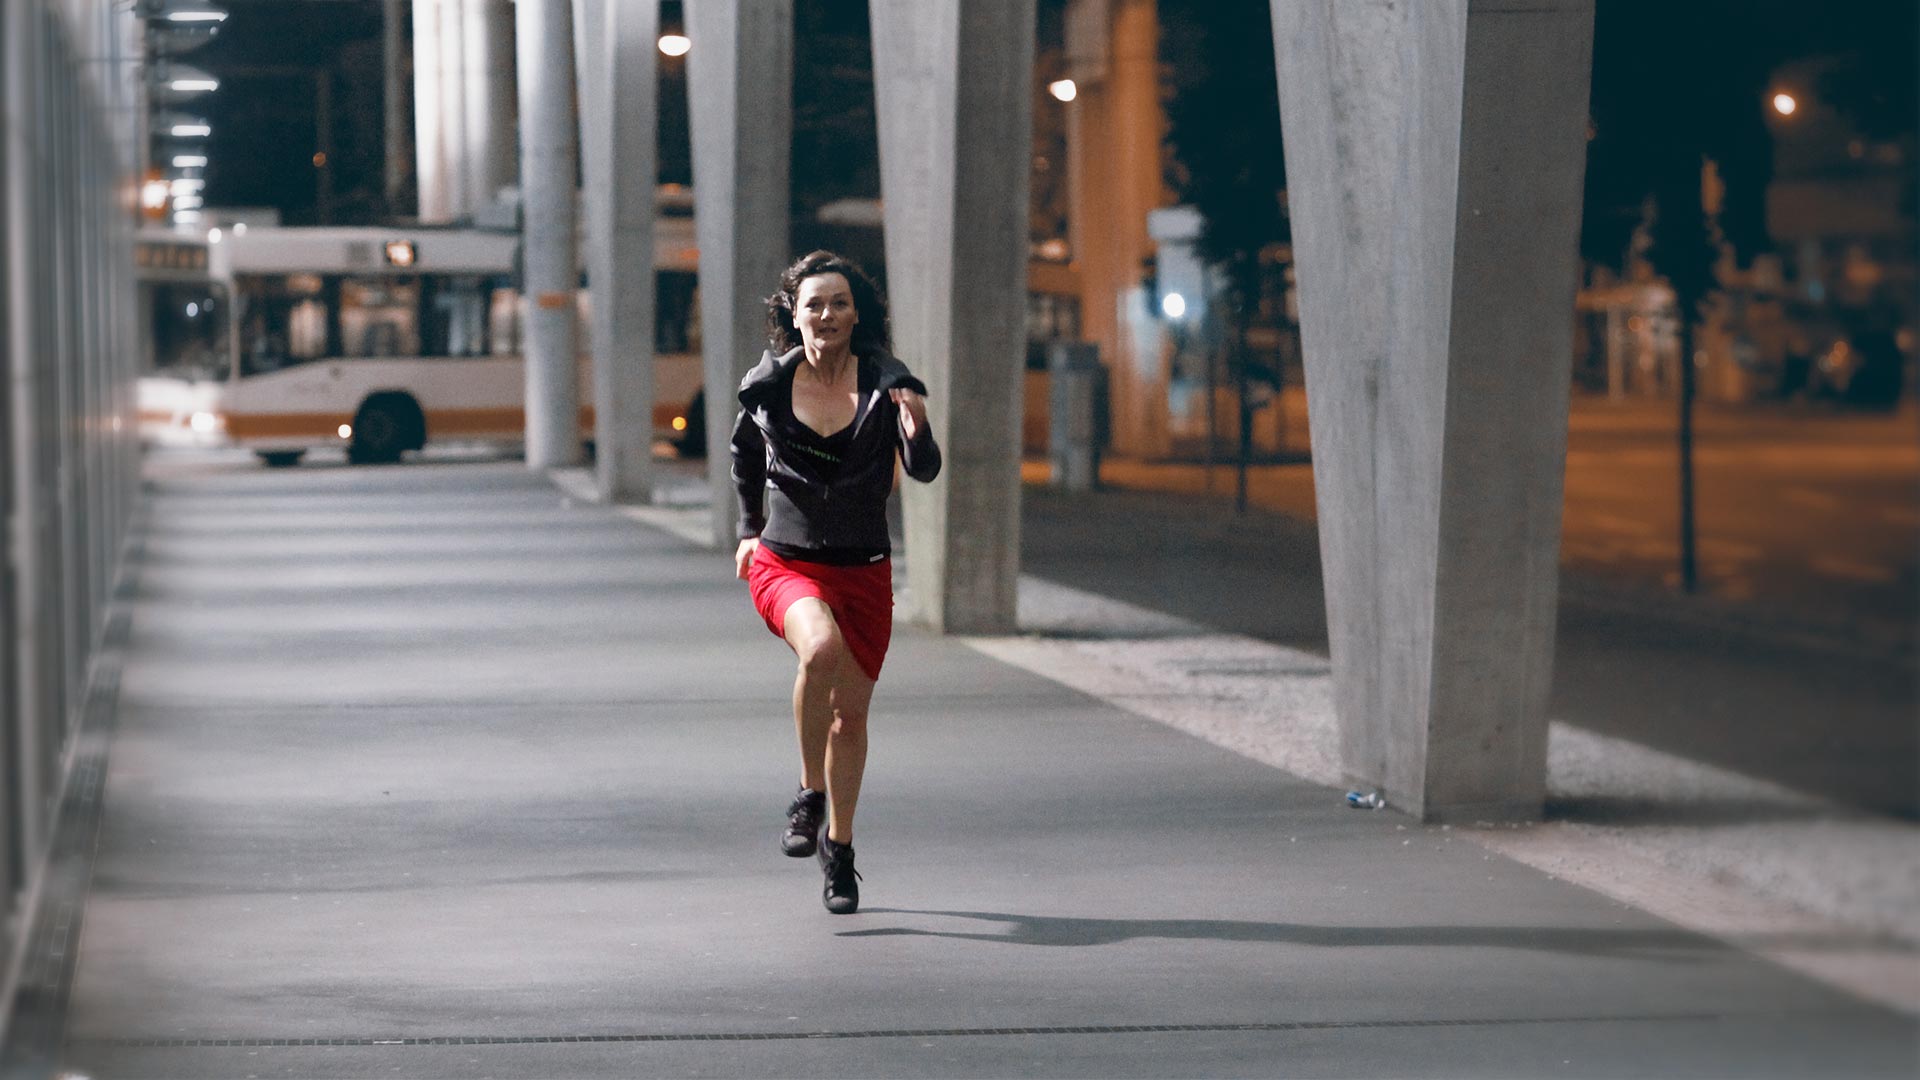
(822, 652)
(850, 701)
(849, 724)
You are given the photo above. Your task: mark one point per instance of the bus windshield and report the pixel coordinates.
(189, 324)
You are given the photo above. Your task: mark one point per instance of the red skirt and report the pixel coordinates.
(860, 598)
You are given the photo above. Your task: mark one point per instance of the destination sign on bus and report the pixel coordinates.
(169, 255)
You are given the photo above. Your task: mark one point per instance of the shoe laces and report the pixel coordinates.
(805, 811)
(839, 862)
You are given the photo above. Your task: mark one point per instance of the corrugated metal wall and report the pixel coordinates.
(68, 456)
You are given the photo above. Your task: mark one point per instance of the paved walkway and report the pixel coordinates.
(1823, 712)
(435, 771)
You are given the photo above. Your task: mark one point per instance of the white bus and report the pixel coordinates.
(373, 340)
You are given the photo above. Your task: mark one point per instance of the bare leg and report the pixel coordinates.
(847, 750)
(830, 699)
(815, 639)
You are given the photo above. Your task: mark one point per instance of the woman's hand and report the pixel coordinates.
(913, 411)
(743, 556)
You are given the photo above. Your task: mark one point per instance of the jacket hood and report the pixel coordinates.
(771, 369)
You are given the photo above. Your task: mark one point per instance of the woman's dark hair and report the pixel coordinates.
(871, 332)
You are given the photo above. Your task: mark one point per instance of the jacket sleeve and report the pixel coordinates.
(920, 454)
(749, 474)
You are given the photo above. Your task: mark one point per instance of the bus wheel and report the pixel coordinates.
(281, 459)
(384, 426)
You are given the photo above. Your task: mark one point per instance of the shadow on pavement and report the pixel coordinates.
(1632, 810)
(1672, 946)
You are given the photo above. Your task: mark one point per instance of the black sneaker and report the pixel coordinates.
(842, 892)
(806, 817)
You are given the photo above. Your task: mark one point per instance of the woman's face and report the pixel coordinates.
(824, 313)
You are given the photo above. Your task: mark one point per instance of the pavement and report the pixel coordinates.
(442, 771)
(1795, 663)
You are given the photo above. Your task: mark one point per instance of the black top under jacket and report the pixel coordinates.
(824, 498)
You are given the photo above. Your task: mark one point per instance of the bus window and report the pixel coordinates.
(189, 330)
(380, 316)
(457, 314)
(283, 321)
(503, 320)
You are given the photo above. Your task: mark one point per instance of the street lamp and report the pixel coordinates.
(1063, 89)
(182, 79)
(675, 44)
(154, 195)
(174, 83)
(177, 26)
(184, 12)
(1174, 306)
(181, 126)
(1784, 103)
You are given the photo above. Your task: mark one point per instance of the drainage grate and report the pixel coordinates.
(901, 1033)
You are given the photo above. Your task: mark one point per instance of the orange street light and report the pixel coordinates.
(1784, 104)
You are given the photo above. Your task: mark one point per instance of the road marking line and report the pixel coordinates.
(1731, 550)
(1623, 524)
(1851, 570)
(1818, 500)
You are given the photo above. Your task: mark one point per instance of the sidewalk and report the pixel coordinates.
(1792, 701)
(438, 771)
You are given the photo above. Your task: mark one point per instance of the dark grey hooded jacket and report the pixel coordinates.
(801, 504)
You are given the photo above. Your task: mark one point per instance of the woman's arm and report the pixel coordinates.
(749, 474)
(918, 452)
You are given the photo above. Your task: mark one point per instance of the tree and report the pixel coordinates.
(1670, 94)
(1219, 54)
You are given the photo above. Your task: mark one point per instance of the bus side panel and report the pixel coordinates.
(305, 406)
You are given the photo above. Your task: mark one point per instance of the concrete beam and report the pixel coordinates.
(549, 253)
(1435, 154)
(740, 93)
(429, 135)
(615, 40)
(487, 103)
(453, 107)
(953, 86)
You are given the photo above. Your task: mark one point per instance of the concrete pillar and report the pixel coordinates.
(740, 93)
(1114, 128)
(953, 85)
(430, 148)
(548, 245)
(453, 106)
(1435, 154)
(396, 98)
(616, 46)
(488, 99)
